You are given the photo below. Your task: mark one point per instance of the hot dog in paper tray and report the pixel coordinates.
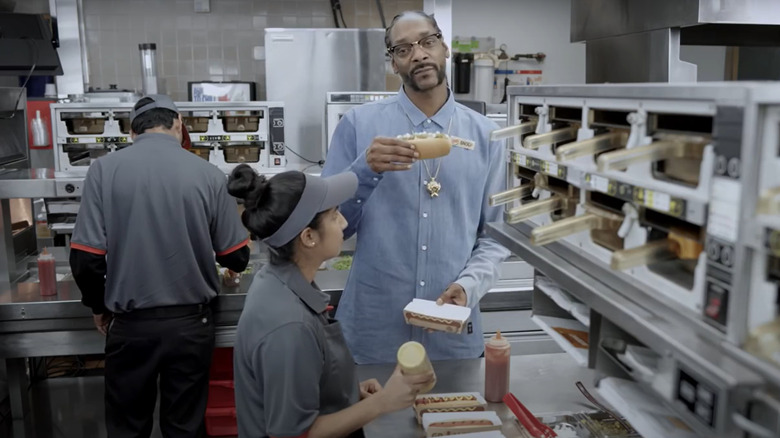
(427, 314)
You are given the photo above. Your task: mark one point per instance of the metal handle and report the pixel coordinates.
(591, 146)
(510, 195)
(535, 208)
(770, 401)
(648, 254)
(657, 151)
(558, 135)
(513, 131)
(564, 227)
(751, 427)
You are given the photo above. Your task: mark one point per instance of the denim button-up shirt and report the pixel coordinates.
(410, 245)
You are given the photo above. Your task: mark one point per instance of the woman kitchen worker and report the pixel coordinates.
(294, 376)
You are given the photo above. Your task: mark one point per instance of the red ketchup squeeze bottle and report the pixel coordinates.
(497, 351)
(46, 273)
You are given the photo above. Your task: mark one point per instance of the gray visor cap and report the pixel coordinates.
(159, 101)
(319, 194)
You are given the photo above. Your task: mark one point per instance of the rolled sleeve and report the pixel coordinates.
(290, 360)
(89, 233)
(227, 232)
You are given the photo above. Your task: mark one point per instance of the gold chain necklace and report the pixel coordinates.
(432, 186)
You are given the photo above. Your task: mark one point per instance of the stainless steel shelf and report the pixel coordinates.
(709, 91)
(46, 183)
(650, 321)
(39, 183)
(63, 227)
(22, 302)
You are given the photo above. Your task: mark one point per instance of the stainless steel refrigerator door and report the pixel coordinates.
(302, 65)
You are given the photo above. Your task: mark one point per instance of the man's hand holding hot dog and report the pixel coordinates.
(390, 154)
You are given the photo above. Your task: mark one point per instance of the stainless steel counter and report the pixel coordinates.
(544, 383)
(32, 325)
(73, 407)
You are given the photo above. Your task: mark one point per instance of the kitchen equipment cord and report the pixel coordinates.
(24, 86)
(381, 13)
(319, 162)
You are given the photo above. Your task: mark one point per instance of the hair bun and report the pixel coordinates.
(244, 183)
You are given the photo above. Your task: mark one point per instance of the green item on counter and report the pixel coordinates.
(343, 263)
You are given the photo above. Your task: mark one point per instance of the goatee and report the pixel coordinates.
(411, 83)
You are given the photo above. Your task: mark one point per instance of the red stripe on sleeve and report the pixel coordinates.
(88, 249)
(233, 248)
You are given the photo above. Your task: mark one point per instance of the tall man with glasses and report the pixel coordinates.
(411, 243)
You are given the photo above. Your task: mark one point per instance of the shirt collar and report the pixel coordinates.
(441, 118)
(157, 138)
(309, 293)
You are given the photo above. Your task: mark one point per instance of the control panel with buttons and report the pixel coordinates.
(698, 397)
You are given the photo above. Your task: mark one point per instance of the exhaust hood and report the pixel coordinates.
(26, 44)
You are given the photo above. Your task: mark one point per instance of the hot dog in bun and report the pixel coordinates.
(429, 145)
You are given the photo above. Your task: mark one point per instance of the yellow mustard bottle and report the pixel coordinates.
(413, 359)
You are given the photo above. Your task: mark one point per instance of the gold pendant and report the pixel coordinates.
(433, 187)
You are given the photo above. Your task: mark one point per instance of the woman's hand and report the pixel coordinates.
(400, 390)
(369, 387)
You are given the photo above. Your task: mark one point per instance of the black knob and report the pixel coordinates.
(70, 188)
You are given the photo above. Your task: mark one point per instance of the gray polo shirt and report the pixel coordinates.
(159, 213)
(290, 362)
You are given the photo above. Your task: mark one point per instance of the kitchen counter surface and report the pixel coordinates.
(544, 383)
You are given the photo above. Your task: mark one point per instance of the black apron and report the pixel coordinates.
(339, 387)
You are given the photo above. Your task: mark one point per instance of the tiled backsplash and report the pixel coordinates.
(215, 46)
(32, 7)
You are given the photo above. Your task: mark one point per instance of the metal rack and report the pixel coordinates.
(232, 133)
(83, 132)
(656, 206)
(224, 133)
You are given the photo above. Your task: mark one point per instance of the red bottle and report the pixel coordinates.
(497, 352)
(47, 274)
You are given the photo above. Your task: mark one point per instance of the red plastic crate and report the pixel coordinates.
(222, 364)
(221, 422)
(221, 394)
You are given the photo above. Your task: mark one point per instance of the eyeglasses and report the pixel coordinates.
(405, 49)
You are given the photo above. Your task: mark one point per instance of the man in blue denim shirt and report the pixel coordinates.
(411, 244)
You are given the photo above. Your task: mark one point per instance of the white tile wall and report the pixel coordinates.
(32, 7)
(214, 46)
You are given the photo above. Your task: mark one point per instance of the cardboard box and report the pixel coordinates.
(449, 402)
(453, 423)
(427, 314)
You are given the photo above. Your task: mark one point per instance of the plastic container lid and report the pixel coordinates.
(45, 255)
(497, 341)
(411, 355)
